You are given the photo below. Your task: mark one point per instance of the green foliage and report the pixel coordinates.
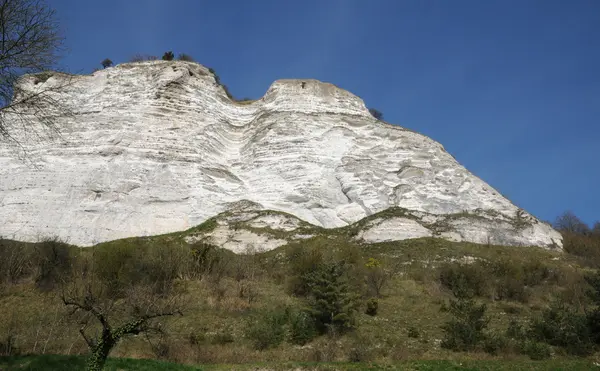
(267, 330)
(332, 302)
(302, 262)
(168, 56)
(535, 350)
(495, 343)
(465, 330)
(302, 327)
(372, 307)
(561, 326)
(465, 280)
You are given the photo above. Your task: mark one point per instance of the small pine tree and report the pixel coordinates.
(332, 302)
(168, 56)
(106, 63)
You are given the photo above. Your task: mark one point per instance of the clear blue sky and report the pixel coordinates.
(511, 87)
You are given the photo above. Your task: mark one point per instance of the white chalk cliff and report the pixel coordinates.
(157, 147)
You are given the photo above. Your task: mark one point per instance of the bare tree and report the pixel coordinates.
(596, 229)
(30, 43)
(114, 316)
(569, 222)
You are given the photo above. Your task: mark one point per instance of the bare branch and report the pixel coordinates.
(29, 43)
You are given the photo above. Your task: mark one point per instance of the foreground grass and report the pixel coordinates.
(59, 362)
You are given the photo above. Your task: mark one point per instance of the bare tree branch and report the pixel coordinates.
(30, 43)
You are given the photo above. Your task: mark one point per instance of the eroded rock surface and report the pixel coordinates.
(157, 147)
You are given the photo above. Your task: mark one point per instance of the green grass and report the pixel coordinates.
(71, 363)
(61, 362)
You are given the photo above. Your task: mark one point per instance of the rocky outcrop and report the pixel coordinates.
(157, 147)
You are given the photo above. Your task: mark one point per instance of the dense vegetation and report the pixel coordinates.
(325, 299)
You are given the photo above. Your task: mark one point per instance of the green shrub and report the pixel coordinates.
(494, 344)
(413, 332)
(465, 280)
(561, 326)
(509, 288)
(168, 56)
(268, 329)
(302, 262)
(302, 327)
(465, 330)
(372, 307)
(515, 330)
(535, 350)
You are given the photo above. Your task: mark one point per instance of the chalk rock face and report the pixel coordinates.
(157, 147)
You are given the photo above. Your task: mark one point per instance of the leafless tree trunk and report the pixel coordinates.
(118, 317)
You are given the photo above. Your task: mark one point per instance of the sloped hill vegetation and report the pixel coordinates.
(323, 298)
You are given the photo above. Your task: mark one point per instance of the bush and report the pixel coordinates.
(52, 262)
(15, 262)
(465, 331)
(302, 328)
(376, 277)
(302, 262)
(185, 57)
(493, 344)
(268, 329)
(372, 306)
(376, 113)
(535, 350)
(465, 280)
(168, 56)
(106, 63)
(413, 332)
(561, 326)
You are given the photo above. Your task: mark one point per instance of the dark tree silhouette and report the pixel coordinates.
(168, 56)
(569, 222)
(185, 57)
(106, 63)
(376, 113)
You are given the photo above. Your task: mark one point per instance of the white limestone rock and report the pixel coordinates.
(157, 147)
(393, 229)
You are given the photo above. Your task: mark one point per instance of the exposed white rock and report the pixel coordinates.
(393, 229)
(275, 221)
(157, 147)
(240, 241)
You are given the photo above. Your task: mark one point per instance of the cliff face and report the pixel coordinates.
(157, 147)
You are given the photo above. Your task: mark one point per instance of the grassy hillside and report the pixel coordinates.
(68, 363)
(244, 309)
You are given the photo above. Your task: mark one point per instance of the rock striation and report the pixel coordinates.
(157, 147)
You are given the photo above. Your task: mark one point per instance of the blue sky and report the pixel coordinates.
(510, 88)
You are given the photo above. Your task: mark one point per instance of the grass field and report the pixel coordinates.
(68, 363)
